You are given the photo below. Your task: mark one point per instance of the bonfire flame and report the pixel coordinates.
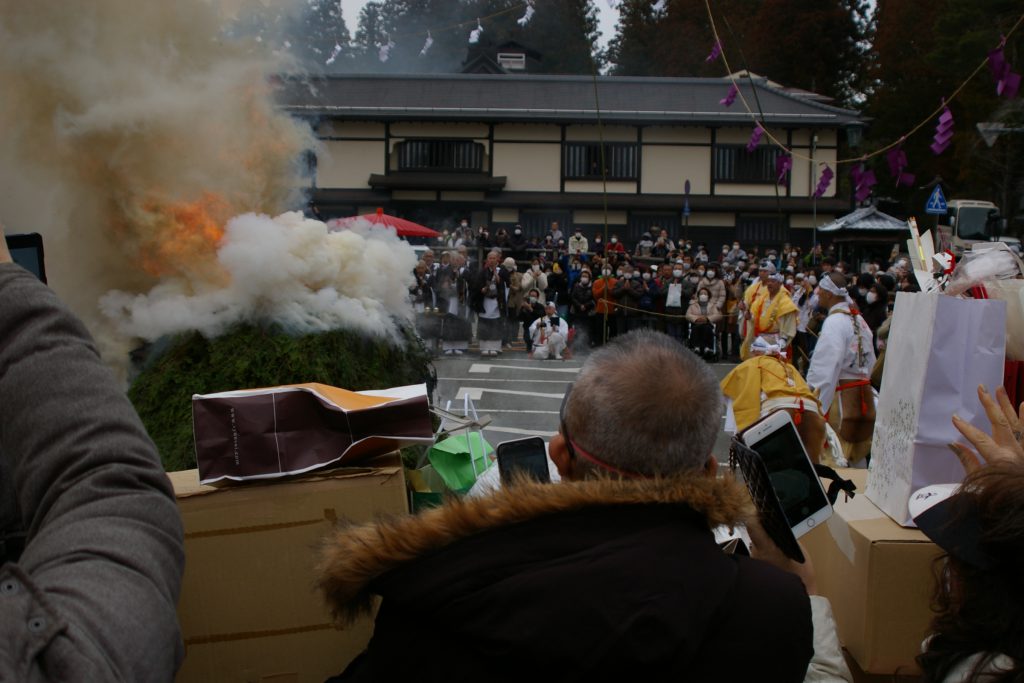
(184, 236)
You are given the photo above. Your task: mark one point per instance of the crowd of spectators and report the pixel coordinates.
(601, 289)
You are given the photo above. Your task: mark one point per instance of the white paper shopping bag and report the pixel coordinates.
(940, 349)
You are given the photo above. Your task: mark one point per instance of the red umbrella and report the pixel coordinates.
(403, 227)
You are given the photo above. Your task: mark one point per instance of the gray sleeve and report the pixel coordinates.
(93, 595)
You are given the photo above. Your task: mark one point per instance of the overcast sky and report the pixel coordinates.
(606, 18)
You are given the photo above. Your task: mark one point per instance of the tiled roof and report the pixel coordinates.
(543, 98)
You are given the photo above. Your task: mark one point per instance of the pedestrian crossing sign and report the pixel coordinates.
(936, 203)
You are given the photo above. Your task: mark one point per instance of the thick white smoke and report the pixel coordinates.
(132, 133)
(289, 270)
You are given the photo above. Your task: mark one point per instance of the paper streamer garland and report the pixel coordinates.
(897, 160)
(755, 138)
(474, 35)
(943, 132)
(730, 97)
(716, 52)
(1007, 82)
(334, 54)
(824, 180)
(863, 181)
(783, 165)
(525, 19)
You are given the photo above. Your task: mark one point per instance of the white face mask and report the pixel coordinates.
(647, 276)
(789, 283)
(519, 232)
(578, 234)
(700, 272)
(535, 267)
(606, 272)
(703, 298)
(736, 246)
(618, 273)
(813, 280)
(871, 297)
(533, 299)
(614, 240)
(725, 250)
(677, 273)
(694, 279)
(584, 280)
(712, 275)
(510, 267)
(464, 224)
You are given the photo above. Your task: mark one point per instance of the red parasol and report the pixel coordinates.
(403, 227)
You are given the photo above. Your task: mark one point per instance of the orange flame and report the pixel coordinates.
(185, 236)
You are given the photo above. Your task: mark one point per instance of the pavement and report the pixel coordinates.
(520, 395)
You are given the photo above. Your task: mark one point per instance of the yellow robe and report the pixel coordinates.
(766, 375)
(775, 316)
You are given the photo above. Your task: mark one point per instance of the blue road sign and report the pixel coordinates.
(936, 203)
(686, 207)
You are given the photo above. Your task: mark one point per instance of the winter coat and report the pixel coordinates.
(712, 313)
(716, 287)
(575, 581)
(627, 293)
(538, 281)
(582, 299)
(515, 290)
(602, 288)
(93, 595)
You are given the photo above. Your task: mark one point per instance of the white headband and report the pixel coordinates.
(831, 287)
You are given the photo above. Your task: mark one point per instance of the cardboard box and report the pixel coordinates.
(878, 577)
(249, 610)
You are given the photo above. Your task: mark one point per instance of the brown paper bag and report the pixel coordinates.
(292, 429)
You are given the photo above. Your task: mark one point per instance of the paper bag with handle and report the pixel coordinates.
(940, 349)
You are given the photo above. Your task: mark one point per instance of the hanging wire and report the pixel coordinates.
(864, 157)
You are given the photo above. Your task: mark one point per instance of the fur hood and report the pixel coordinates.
(353, 556)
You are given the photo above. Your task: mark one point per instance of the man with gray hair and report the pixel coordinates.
(614, 573)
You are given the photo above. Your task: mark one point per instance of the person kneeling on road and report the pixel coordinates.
(612, 574)
(549, 334)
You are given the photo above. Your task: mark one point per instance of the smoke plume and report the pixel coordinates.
(287, 269)
(133, 133)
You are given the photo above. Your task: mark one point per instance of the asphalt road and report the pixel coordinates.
(520, 395)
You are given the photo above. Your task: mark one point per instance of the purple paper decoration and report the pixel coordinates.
(730, 97)
(897, 159)
(943, 132)
(755, 138)
(824, 180)
(863, 181)
(783, 164)
(716, 52)
(1007, 82)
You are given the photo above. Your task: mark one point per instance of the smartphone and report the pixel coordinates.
(790, 471)
(523, 455)
(27, 252)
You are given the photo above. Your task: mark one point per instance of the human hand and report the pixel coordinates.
(1005, 442)
(764, 549)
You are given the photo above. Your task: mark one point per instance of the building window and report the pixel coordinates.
(734, 164)
(583, 160)
(441, 155)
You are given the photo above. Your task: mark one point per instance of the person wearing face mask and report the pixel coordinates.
(675, 296)
(614, 246)
(581, 304)
(627, 293)
(859, 291)
(550, 334)
(604, 309)
(515, 300)
(774, 315)
(517, 243)
(578, 244)
(714, 284)
(644, 246)
(556, 232)
(753, 300)
(805, 297)
(735, 255)
(502, 241)
(530, 309)
(535, 277)
(648, 297)
(598, 247)
(704, 317)
(875, 309)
